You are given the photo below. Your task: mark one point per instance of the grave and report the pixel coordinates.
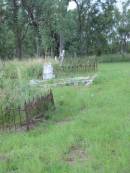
(48, 71)
(75, 81)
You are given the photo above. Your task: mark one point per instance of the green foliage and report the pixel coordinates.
(14, 82)
(34, 71)
(43, 28)
(92, 120)
(30, 28)
(6, 42)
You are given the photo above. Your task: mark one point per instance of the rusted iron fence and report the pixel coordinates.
(88, 67)
(24, 117)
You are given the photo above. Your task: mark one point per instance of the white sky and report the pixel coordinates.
(72, 4)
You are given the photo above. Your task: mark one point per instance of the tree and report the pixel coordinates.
(124, 28)
(42, 28)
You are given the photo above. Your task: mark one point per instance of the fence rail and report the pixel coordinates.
(23, 117)
(89, 67)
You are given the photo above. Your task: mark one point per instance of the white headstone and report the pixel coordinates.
(48, 71)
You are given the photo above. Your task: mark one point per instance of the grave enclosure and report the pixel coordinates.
(90, 66)
(81, 67)
(24, 117)
(13, 119)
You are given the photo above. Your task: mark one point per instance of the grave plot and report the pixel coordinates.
(76, 68)
(75, 81)
(26, 116)
(14, 116)
(67, 75)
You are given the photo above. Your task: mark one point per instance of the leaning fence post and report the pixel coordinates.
(96, 64)
(52, 99)
(7, 118)
(26, 113)
(14, 119)
(19, 113)
(3, 122)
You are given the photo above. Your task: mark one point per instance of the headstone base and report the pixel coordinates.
(48, 76)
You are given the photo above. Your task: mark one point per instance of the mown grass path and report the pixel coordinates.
(88, 133)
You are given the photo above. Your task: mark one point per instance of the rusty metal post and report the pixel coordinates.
(3, 122)
(14, 119)
(20, 117)
(27, 116)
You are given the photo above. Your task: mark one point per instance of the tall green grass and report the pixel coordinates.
(95, 120)
(15, 76)
(14, 81)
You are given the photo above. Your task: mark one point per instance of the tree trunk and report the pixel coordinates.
(18, 48)
(61, 47)
(34, 21)
(17, 30)
(79, 9)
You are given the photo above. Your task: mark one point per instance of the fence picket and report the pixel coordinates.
(11, 117)
(89, 67)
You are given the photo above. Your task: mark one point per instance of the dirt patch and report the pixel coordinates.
(65, 121)
(33, 124)
(3, 158)
(75, 154)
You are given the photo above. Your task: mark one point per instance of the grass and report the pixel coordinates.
(95, 120)
(15, 79)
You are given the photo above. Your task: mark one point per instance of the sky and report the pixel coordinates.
(72, 5)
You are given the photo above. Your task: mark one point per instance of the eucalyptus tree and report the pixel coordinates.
(124, 27)
(6, 34)
(46, 18)
(94, 20)
(29, 27)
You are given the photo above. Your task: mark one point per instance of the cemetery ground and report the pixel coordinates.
(88, 132)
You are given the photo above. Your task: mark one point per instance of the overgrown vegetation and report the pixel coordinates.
(15, 78)
(14, 81)
(88, 132)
